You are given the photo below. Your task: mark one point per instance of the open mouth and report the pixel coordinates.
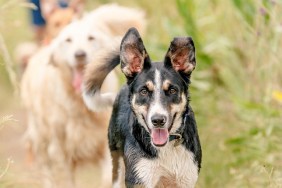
(159, 136)
(77, 79)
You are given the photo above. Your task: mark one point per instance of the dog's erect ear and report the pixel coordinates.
(133, 55)
(181, 55)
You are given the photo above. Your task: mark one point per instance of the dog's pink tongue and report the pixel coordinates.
(159, 136)
(77, 80)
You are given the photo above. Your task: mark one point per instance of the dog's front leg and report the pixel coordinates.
(115, 161)
(105, 166)
(130, 185)
(118, 170)
(143, 174)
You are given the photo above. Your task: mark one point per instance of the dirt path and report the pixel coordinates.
(12, 156)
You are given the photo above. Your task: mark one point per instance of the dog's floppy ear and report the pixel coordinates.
(181, 55)
(133, 55)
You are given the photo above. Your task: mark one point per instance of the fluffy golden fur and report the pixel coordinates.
(62, 132)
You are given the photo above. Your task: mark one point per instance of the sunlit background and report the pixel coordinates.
(236, 89)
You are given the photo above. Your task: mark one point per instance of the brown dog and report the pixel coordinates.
(57, 21)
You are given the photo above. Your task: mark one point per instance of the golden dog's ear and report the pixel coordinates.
(181, 55)
(133, 55)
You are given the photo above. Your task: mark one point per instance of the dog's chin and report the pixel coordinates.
(159, 146)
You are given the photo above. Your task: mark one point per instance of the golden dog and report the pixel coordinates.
(62, 132)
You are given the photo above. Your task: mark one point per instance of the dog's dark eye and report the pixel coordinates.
(172, 91)
(144, 92)
(68, 40)
(90, 38)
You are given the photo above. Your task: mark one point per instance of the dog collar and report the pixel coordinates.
(178, 139)
(178, 136)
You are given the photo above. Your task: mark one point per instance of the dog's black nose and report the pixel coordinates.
(158, 120)
(80, 54)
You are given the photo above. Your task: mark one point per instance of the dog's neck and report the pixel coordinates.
(145, 140)
(178, 135)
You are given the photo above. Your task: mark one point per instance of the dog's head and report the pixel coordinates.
(76, 46)
(56, 21)
(158, 91)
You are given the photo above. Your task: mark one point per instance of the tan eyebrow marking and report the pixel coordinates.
(166, 85)
(150, 85)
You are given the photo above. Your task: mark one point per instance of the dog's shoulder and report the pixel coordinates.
(191, 137)
(119, 126)
(121, 107)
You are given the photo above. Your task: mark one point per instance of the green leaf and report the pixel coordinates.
(246, 9)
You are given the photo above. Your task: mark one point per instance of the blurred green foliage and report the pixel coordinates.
(246, 9)
(187, 11)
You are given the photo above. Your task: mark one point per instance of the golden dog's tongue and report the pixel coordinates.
(159, 136)
(77, 80)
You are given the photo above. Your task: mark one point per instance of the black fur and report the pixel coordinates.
(127, 136)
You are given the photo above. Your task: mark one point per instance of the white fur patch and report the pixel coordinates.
(102, 100)
(156, 106)
(175, 164)
(98, 102)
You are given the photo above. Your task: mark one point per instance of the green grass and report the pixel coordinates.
(238, 45)
(13, 29)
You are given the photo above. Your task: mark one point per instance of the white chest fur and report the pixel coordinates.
(174, 166)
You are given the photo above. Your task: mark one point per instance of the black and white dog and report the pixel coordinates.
(152, 127)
